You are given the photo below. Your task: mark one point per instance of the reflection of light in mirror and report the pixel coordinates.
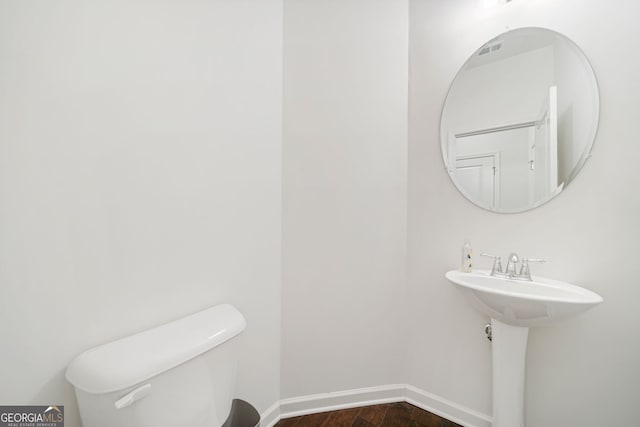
(489, 4)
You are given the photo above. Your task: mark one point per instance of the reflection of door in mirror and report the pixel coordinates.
(479, 177)
(528, 169)
(512, 170)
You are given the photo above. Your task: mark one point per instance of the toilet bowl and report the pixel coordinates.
(178, 374)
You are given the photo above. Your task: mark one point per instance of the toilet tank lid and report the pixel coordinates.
(136, 358)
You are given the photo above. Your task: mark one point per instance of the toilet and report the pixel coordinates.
(180, 374)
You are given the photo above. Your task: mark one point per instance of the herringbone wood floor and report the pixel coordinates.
(388, 415)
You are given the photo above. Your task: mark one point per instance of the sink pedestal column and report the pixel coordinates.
(509, 347)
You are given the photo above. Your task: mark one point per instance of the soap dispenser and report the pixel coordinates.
(466, 257)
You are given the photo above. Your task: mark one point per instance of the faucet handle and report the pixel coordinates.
(524, 270)
(490, 256)
(497, 263)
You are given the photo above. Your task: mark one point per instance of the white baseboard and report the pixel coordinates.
(271, 416)
(311, 404)
(341, 400)
(445, 408)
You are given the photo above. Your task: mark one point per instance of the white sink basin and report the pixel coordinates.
(514, 306)
(523, 303)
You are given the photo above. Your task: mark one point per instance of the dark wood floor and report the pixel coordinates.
(388, 415)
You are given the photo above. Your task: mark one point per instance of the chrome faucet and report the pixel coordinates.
(510, 271)
(512, 261)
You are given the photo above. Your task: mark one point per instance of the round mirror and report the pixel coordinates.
(519, 120)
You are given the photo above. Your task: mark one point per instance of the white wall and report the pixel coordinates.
(344, 194)
(140, 180)
(582, 371)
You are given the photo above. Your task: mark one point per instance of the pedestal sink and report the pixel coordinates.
(514, 306)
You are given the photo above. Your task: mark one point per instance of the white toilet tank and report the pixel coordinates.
(180, 374)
